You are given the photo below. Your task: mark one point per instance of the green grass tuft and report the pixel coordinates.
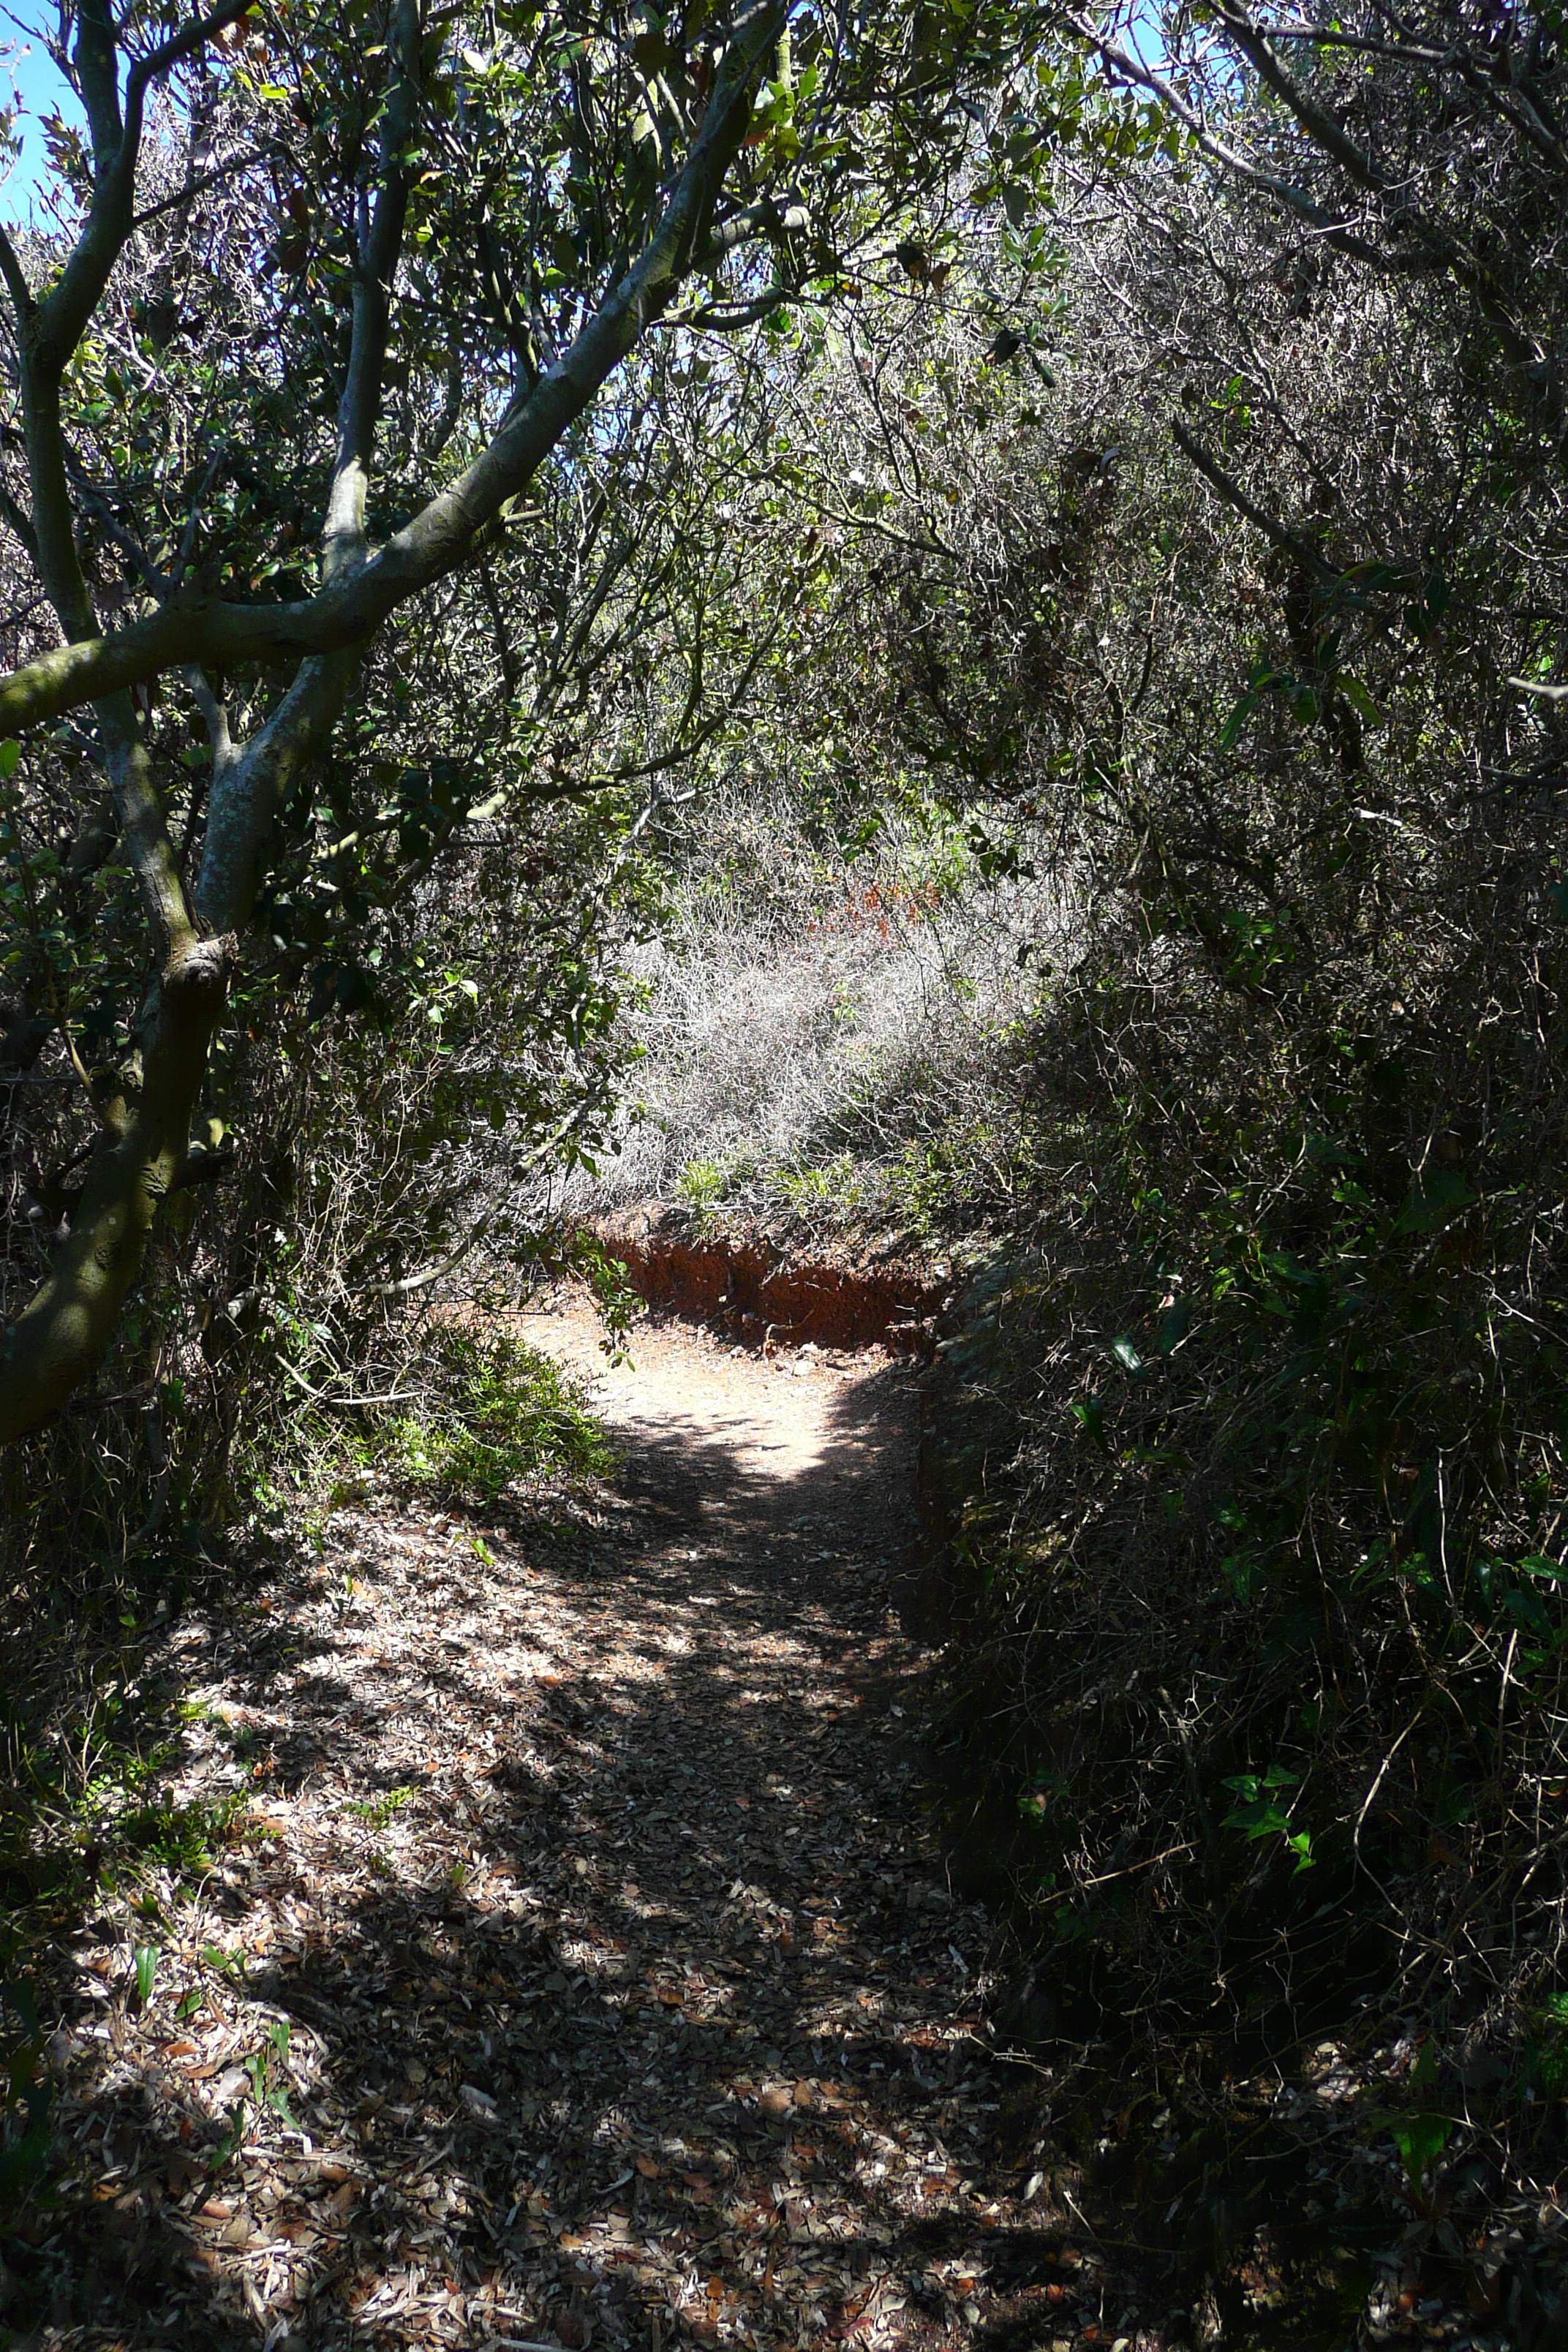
(495, 1412)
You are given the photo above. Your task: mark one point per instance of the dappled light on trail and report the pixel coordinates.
(586, 1974)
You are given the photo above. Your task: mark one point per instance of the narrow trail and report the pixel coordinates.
(625, 2002)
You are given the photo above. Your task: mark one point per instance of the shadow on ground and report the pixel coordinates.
(583, 1971)
(582, 1974)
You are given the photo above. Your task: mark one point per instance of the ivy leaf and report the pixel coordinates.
(1438, 1195)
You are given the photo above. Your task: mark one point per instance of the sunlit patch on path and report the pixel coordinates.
(591, 1979)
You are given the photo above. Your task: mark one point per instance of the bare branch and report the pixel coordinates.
(1234, 496)
(178, 46)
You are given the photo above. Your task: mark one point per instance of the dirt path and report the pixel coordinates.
(592, 1982)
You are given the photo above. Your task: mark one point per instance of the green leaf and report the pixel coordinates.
(146, 1969)
(1127, 1356)
(1420, 2139)
(1173, 1327)
(1356, 695)
(232, 2140)
(10, 752)
(1260, 1820)
(1241, 711)
(1423, 618)
(1089, 1414)
(1438, 1195)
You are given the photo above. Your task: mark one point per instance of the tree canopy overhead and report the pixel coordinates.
(371, 419)
(327, 288)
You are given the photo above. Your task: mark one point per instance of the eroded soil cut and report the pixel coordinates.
(749, 1284)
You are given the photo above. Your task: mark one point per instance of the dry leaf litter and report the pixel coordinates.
(585, 1976)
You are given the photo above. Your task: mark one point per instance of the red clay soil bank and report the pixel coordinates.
(746, 1283)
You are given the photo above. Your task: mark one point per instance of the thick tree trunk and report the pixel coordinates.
(58, 1343)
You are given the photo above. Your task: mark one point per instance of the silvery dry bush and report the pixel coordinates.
(813, 1024)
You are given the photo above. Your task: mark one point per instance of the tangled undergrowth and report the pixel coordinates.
(825, 1032)
(1250, 1459)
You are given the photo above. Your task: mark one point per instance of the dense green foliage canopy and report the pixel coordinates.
(324, 296)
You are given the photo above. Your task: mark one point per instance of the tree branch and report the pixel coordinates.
(1331, 138)
(768, 220)
(358, 410)
(195, 628)
(1516, 106)
(1234, 496)
(1325, 130)
(177, 47)
(1131, 69)
(56, 325)
(58, 1341)
(15, 278)
(19, 524)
